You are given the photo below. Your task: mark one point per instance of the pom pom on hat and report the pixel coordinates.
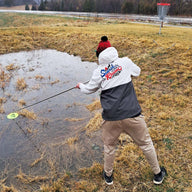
(103, 44)
(104, 38)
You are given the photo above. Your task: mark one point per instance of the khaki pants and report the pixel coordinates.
(136, 128)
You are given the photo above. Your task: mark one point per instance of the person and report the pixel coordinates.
(121, 110)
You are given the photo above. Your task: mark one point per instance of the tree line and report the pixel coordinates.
(146, 7)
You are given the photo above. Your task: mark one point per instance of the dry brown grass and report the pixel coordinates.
(37, 160)
(21, 84)
(8, 189)
(28, 114)
(29, 179)
(71, 141)
(11, 67)
(94, 106)
(94, 124)
(22, 102)
(2, 100)
(39, 77)
(2, 109)
(73, 119)
(163, 89)
(36, 87)
(55, 81)
(4, 78)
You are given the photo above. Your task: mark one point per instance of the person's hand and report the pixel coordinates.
(77, 86)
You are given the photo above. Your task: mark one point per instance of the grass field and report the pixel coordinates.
(164, 91)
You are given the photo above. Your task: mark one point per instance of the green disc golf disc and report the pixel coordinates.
(12, 116)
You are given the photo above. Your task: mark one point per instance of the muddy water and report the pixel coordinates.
(39, 147)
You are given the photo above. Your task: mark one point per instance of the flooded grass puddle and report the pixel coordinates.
(47, 139)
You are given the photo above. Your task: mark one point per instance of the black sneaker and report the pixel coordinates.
(108, 180)
(158, 178)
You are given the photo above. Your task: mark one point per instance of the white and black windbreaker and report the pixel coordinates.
(113, 76)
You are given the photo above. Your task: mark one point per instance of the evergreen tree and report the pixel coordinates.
(89, 6)
(33, 8)
(26, 7)
(42, 6)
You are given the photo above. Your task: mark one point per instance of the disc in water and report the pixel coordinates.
(12, 116)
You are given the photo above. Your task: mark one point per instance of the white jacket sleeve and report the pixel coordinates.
(135, 70)
(93, 85)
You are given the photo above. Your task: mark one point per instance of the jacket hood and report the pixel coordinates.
(108, 56)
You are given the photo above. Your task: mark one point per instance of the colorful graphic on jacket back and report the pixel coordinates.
(111, 71)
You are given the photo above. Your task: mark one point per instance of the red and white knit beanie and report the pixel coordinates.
(103, 44)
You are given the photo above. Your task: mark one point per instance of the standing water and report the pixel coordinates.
(38, 148)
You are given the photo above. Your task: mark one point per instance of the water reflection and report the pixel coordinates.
(40, 148)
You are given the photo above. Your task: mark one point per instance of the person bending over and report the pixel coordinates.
(121, 110)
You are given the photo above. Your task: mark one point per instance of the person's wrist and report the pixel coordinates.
(78, 86)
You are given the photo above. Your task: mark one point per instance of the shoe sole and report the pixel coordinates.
(158, 183)
(109, 183)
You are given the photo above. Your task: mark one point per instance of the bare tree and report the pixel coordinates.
(178, 7)
(8, 3)
(116, 6)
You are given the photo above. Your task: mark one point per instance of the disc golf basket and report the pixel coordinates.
(162, 10)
